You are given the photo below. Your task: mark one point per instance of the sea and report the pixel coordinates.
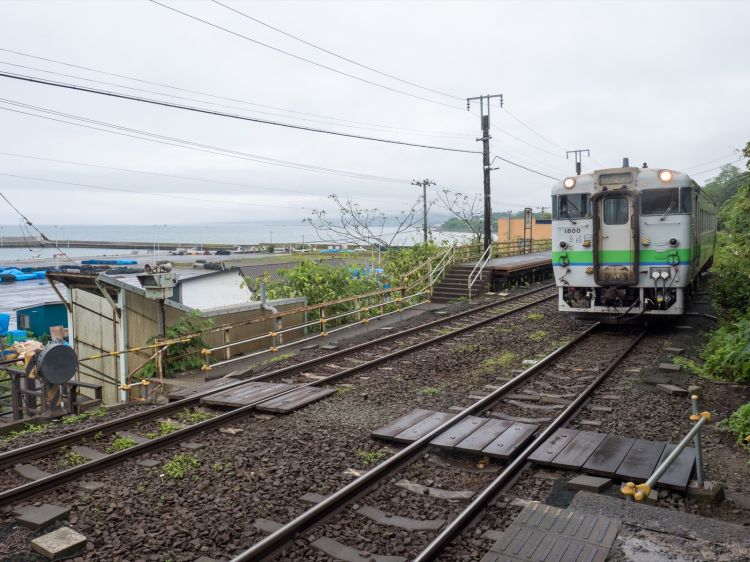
(187, 235)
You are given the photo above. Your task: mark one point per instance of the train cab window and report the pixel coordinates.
(574, 206)
(615, 210)
(668, 201)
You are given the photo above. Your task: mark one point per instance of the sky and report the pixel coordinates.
(660, 82)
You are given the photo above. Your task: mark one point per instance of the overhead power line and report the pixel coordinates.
(537, 133)
(319, 48)
(174, 176)
(150, 194)
(189, 145)
(205, 111)
(303, 59)
(32, 225)
(326, 122)
(524, 167)
(225, 98)
(717, 167)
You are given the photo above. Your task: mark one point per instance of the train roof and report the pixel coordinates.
(616, 178)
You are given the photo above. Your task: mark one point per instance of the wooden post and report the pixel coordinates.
(227, 352)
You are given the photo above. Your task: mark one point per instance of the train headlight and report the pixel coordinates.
(665, 176)
(569, 183)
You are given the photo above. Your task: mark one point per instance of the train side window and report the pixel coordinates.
(574, 206)
(686, 201)
(616, 210)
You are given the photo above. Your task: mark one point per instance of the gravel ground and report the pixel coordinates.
(68, 424)
(144, 514)
(265, 469)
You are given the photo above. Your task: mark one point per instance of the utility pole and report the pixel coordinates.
(578, 154)
(484, 113)
(424, 183)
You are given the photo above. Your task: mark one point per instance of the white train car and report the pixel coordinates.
(630, 241)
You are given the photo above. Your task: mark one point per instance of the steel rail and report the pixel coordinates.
(37, 486)
(281, 538)
(42, 448)
(471, 511)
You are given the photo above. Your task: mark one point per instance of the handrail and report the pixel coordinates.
(481, 263)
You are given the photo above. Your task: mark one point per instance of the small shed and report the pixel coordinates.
(213, 290)
(39, 317)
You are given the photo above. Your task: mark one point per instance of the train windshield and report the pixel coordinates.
(667, 201)
(574, 206)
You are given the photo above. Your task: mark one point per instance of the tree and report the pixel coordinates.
(725, 185)
(467, 212)
(363, 225)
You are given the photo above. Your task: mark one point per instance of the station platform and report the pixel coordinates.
(498, 274)
(523, 262)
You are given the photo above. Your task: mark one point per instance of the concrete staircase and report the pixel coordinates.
(455, 284)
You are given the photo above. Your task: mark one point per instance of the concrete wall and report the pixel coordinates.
(540, 231)
(214, 290)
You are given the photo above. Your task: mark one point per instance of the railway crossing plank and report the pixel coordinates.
(423, 427)
(295, 400)
(677, 476)
(458, 432)
(608, 456)
(245, 394)
(640, 461)
(483, 436)
(192, 391)
(542, 533)
(552, 446)
(575, 454)
(402, 423)
(510, 440)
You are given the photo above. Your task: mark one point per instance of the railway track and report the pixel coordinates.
(364, 356)
(541, 373)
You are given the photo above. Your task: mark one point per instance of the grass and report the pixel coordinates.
(276, 359)
(181, 465)
(370, 457)
(500, 361)
(219, 467)
(687, 364)
(27, 430)
(534, 316)
(69, 420)
(120, 444)
(72, 458)
(193, 417)
(165, 428)
(430, 391)
(539, 335)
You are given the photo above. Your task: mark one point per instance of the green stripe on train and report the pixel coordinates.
(622, 256)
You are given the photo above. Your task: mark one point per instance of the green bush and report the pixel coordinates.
(727, 353)
(739, 423)
(730, 285)
(180, 356)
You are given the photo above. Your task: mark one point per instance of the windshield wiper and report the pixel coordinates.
(669, 208)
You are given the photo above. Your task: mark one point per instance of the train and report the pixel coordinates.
(630, 241)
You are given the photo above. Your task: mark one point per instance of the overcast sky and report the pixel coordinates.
(666, 83)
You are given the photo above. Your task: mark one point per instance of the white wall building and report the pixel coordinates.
(213, 290)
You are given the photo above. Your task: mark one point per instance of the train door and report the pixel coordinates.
(616, 250)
